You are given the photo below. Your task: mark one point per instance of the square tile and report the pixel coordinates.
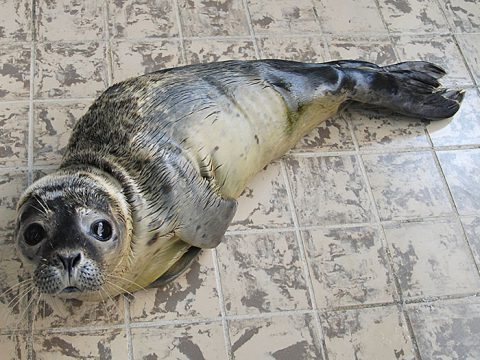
(471, 226)
(203, 51)
(196, 341)
(70, 70)
(447, 270)
(367, 334)
(192, 295)
(462, 170)
(16, 20)
(464, 15)
(69, 20)
(53, 126)
(331, 135)
(377, 50)
(447, 330)
(286, 337)
(348, 16)
(139, 19)
(14, 347)
(407, 185)
(273, 16)
(441, 50)
(264, 202)
(213, 18)
(306, 49)
(12, 184)
(328, 190)
(96, 344)
(463, 128)
(413, 16)
(14, 71)
(348, 266)
(13, 134)
(470, 45)
(137, 58)
(262, 273)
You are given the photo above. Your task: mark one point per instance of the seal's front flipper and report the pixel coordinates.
(410, 88)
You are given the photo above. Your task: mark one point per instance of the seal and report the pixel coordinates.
(152, 170)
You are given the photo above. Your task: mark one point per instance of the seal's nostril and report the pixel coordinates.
(70, 261)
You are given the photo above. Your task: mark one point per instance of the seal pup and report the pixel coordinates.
(152, 170)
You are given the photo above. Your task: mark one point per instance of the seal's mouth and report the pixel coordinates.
(70, 289)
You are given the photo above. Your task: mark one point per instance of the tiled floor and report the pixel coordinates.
(362, 243)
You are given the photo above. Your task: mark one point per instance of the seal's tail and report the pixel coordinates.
(410, 88)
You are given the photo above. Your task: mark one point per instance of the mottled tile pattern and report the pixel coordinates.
(378, 50)
(464, 15)
(12, 184)
(13, 134)
(14, 71)
(14, 347)
(471, 226)
(470, 45)
(16, 20)
(203, 51)
(307, 49)
(291, 337)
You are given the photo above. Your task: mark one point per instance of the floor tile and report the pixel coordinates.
(192, 295)
(137, 19)
(463, 128)
(377, 50)
(14, 72)
(213, 18)
(307, 49)
(69, 20)
(353, 14)
(441, 50)
(328, 190)
(290, 337)
(472, 230)
(462, 170)
(262, 273)
(367, 334)
(14, 347)
(422, 272)
(447, 330)
(470, 45)
(273, 16)
(264, 202)
(348, 267)
(70, 70)
(13, 134)
(407, 185)
(137, 58)
(413, 16)
(203, 51)
(464, 15)
(12, 184)
(99, 344)
(53, 126)
(16, 20)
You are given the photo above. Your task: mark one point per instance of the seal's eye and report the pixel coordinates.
(34, 234)
(102, 230)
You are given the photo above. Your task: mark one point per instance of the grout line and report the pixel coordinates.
(327, 54)
(126, 304)
(251, 30)
(464, 58)
(180, 38)
(108, 44)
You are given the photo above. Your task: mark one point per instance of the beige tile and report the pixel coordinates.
(377, 50)
(69, 20)
(203, 51)
(407, 185)
(463, 128)
(13, 134)
(202, 341)
(284, 16)
(134, 19)
(137, 58)
(470, 45)
(262, 273)
(14, 347)
(464, 15)
(289, 337)
(307, 49)
(413, 16)
(264, 202)
(70, 70)
(192, 295)
(462, 170)
(383, 129)
(14, 72)
(447, 330)
(16, 20)
(213, 18)
(53, 126)
(348, 266)
(472, 230)
(349, 16)
(12, 185)
(441, 50)
(331, 135)
(367, 334)
(328, 190)
(97, 344)
(431, 259)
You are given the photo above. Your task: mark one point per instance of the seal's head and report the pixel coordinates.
(72, 229)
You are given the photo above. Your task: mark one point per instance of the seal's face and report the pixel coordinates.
(72, 236)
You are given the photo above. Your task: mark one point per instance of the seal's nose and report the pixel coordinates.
(70, 261)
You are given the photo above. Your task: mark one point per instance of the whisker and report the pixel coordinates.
(119, 288)
(25, 312)
(130, 281)
(104, 306)
(13, 287)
